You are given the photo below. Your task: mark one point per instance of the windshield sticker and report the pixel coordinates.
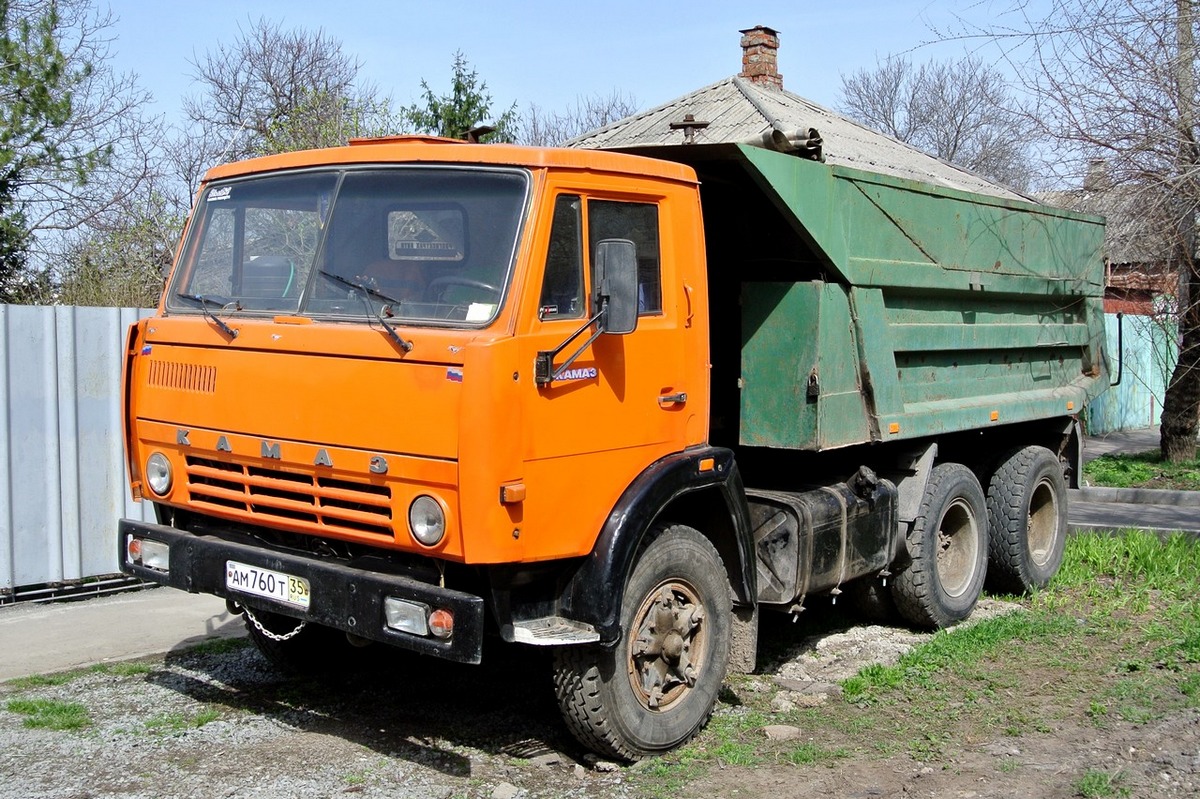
(454, 375)
(220, 194)
(480, 311)
(427, 234)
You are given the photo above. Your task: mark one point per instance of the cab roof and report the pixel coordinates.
(429, 149)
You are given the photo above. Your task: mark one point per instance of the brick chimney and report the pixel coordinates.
(1097, 178)
(759, 65)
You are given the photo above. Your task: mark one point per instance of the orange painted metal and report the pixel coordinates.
(327, 428)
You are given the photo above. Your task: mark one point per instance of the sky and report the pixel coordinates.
(546, 53)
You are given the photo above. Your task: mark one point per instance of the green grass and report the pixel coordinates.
(175, 723)
(1114, 639)
(1131, 598)
(737, 736)
(50, 714)
(809, 753)
(43, 680)
(34, 681)
(1142, 470)
(1096, 784)
(122, 669)
(1139, 574)
(956, 647)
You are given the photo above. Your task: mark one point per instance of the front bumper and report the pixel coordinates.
(344, 597)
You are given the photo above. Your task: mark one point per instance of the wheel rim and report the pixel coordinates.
(1043, 522)
(958, 548)
(666, 654)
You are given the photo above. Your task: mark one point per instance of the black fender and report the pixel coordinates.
(593, 593)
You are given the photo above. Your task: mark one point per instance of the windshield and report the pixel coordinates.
(418, 244)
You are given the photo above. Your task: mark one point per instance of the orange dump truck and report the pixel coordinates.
(419, 392)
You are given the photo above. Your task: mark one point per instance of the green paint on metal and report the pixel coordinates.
(945, 311)
(879, 362)
(874, 229)
(800, 371)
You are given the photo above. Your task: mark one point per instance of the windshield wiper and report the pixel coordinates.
(401, 342)
(203, 301)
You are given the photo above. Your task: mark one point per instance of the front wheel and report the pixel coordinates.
(657, 687)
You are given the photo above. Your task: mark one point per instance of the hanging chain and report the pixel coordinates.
(273, 636)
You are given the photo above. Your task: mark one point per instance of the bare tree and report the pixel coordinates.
(327, 120)
(542, 128)
(123, 264)
(91, 149)
(1115, 82)
(959, 111)
(274, 89)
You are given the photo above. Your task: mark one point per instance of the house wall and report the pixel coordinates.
(1149, 356)
(62, 468)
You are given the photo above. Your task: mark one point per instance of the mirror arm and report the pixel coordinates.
(544, 372)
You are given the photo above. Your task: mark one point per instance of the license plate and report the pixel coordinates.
(264, 582)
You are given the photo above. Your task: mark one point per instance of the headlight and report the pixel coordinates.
(158, 473)
(426, 520)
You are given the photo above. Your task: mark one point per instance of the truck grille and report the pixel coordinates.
(326, 503)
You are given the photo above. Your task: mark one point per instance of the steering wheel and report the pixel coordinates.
(438, 286)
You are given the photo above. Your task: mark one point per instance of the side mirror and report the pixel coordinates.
(617, 283)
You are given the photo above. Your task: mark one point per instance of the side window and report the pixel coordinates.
(562, 284)
(637, 222)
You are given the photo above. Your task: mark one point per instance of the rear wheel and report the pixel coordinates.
(1027, 520)
(656, 688)
(941, 583)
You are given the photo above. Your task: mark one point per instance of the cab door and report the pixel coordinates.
(623, 402)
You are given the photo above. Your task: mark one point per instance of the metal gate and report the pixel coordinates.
(62, 471)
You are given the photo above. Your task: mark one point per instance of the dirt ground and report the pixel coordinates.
(224, 724)
(1161, 759)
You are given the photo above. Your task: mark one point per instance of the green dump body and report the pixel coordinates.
(935, 311)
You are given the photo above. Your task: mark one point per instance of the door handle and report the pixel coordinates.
(672, 399)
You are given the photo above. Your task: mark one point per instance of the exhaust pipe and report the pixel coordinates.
(805, 142)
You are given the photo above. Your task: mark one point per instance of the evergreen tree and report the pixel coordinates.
(467, 106)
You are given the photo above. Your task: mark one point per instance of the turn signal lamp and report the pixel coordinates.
(441, 623)
(148, 552)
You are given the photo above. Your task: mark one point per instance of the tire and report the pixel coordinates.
(655, 689)
(948, 545)
(1027, 521)
(315, 650)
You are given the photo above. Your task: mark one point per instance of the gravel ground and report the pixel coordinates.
(227, 724)
(224, 723)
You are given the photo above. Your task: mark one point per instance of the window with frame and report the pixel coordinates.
(637, 222)
(562, 283)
